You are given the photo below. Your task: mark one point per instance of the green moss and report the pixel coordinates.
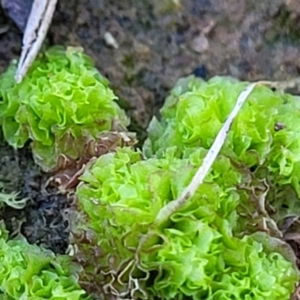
(61, 104)
(29, 272)
(204, 250)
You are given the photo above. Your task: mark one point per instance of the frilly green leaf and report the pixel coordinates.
(61, 104)
(29, 272)
(194, 254)
(193, 115)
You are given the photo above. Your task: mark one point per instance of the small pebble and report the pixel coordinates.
(110, 40)
(200, 44)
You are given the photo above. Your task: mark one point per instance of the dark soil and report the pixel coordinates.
(157, 44)
(41, 221)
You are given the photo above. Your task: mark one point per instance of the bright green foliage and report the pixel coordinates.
(204, 251)
(284, 161)
(194, 254)
(129, 192)
(62, 104)
(265, 136)
(195, 111)
(195, 262)
(28, 272)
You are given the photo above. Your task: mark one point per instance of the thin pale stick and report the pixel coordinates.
(209, 159)
(36, 29)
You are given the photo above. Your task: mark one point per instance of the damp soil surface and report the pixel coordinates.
(143, 47)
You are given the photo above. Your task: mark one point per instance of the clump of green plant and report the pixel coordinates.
(195, 111)
(264, 139)
(265, 132)
(194, 253)
(206, 249)
(61, 105)
(29, 272)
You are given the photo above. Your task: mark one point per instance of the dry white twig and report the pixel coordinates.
(209, 159)
(36, 29)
